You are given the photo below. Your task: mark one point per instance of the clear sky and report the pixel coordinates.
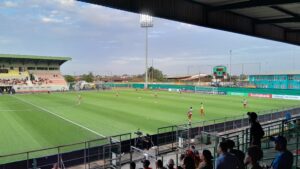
(105, 41)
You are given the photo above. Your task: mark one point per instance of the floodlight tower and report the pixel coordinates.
(146, 22)
(230, 52)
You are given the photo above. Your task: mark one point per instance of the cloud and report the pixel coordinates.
(103, 17)
(9, 4)
(50, 20)
(66, 2)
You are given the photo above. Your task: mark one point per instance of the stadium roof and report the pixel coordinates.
(277, 20)
(34, 58)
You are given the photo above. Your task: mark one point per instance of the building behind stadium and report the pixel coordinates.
(24, 73)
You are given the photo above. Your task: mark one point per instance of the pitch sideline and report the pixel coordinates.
(70, 121)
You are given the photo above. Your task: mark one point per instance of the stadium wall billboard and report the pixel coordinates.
(260, 95)
(237, 94)
(288, 97)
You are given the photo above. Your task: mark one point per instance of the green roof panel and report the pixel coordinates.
(30, 57)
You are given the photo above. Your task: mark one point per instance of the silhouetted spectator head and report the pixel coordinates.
(254, 154)
(252, 116)
(132, 165)
(280, 143)
(206, 156)
(146, 163)
(230, 144)
(159, 164)
(188, 163)
(223, 147)
(171, 164)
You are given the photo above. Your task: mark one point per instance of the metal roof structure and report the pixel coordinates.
(277, 20)
(12, 57)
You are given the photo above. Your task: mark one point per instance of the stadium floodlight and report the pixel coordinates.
(146, 22)
(230, 74)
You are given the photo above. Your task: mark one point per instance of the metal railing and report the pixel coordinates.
(166, 136)
(100, 153)
(207, 140)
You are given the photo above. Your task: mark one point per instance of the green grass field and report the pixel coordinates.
(36, 121)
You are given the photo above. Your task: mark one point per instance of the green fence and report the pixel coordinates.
(228, 90)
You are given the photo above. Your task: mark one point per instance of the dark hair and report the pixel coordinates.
(252, 116)
(159, 163)
(230, 144)
(207, 155)
(223, 145)
(255, 153)
(189, 163)
(182, 156)
(146, 163)
(132, 165)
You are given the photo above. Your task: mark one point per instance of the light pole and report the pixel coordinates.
(146, 22)
(230, 67)
(152, 72)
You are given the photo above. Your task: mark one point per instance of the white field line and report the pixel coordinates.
(8, 110)
(70, 121)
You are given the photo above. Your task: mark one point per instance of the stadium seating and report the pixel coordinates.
(48, 78)
(14, 77)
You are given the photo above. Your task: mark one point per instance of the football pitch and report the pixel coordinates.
(37, 121)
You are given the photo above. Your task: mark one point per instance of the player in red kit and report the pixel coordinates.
(190, 114)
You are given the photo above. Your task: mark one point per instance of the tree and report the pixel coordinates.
(155, 74)
(88, 77)
(69, 78)
(243, 77)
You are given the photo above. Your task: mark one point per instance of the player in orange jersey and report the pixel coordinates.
(190, 114)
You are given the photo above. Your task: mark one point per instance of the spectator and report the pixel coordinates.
(238, 153)
(254, 154)
(181, 158)
(170, 164)
(197, 159)
(188, 163)
(284, 158)
(226, 160)
(146, 164)
(159, 164)
(132, 165)
(256, 131)
(288, 116)
(206, 160)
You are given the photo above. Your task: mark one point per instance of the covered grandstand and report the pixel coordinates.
(24, 73)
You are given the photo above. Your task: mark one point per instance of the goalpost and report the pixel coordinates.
(206, 90)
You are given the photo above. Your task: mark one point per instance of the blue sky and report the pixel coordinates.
(105, 41)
